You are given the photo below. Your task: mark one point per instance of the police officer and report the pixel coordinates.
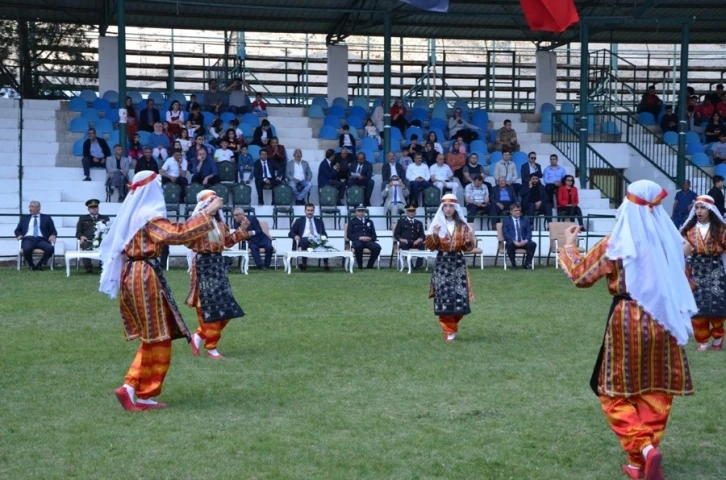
(409, 233)
(86, 229)
(362, 235)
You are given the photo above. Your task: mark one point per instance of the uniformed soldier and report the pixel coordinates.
(409, 233)
(86, 229)
(362, 235)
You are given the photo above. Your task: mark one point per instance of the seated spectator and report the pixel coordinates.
(414, 147)
(418, 176)
(718, 149)
(410, 233)
(458, 127)
(198, 145)
(216, 132)
(238, 133)
(195, 122)
(215, 101)
(117, 168)
(204, 170)
(165, 127)
(239, 102)
(136, 150)
(342, 163)
(714, 128)
(277, 153)
(508, 170)
(159, 143)
(246, 165)
(328, 175)
(377, 119)
(650, 103)
(405, 158)
(552, 177)
(146, 162)
(517, 233)
(362, 235)
(347, 140)
(148, 117)
(682, 204)
(531, 168)
(86, 229)
(299, 176)
(184, 141)
(391, 168)
(462, 145)
(398, 115)
(430, 154)
(361, 174)
(476, 198)
(721, 107)
(506, 139)
(192, 103)
(715, 96)
(433, 140)
(456, 161)
(267, 175)
(175, 118)
(372, 132)
(95, 152)
(223, 153)
(703, 113)
(175, 170)
(262, 135)
(717, 193)
(394, 196)
(501, 198)
(258, 239)
(132, 118)
(568, 201)
(442, 177)
(36, 231)
(259, 107)
(534, 199)
(303, 230)
(669, 122)
(474, 168)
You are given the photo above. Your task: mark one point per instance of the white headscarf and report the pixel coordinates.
(144, 202)
(708, 202)
(204, 198)
(651, 249)
(440, 218)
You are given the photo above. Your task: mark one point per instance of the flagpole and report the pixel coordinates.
(584, 63)
(386, 83)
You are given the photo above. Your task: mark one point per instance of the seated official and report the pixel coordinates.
(410, 234)
(258, 240)
(299, 176)
(534, 199)
(117, 169)
(36, 231)
(86, 229)
(362, 235)
(502, 198)
(175, 170)
(517, 233)
(95, 153)
(361, 174)
(328, 175)
(530, 168)
(305, 228)
(394, 196)
(418, 176)
(204, 169)
(476, 197)
(266, 175)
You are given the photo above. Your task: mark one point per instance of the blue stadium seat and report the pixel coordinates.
(101, 104)
(709, 149)
(361, 102)
(567, 108)
(545, 126)
(493, 136)
(247, 129)
(320, 101)
(420, 114)
(88, 95)
(340, 102)
(251, 119)
(376, 102)
(337, 110)
(227, 116)
(417, 131)
(328, 132)
(519, 159)
(547, 108)
(90, 114)
(720, 170)
(77, 104)
(357, 111)
(480, 145)
(441, 110)
(370, 156)
(480, 118)
(143, 137)
(369, 143)
(462, 105)
(113, 138)
(439, 123)
(111, 96)
(181, 98)
(164, 107)
(78, 146)
(208, 118)
(670, 138)
(135, 98)
(493, 166)
(693, 137)
(396, 135)
(332, 121)
(157, 97)
(354, 133)
(646, 118)
(694, 148)
(103, 125)
(495, 157)
(79, 125)
(611, 128)
(254, 151)
(439, 134)
(315, 111)
(700, 159)
(421, 103)
(111, 114)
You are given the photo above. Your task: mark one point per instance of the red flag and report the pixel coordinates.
(550, 15)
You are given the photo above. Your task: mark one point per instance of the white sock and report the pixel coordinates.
(646, 450)
(451, 336)
(131, 391)
(633, 467)
(213, 352)
(718, 342)
(704, 345)
(146, 401)
(196, 339)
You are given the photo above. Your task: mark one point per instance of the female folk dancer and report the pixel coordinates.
(210, 292)
(705, 235)
(642, 363)
(148, 309)
(450, 283)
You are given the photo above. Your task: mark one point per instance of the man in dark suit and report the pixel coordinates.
(717, 193)
(517, 233)
(362, 235)
(409, 233)
(148, 117)
(267, 175)
(303, 229)
(86, 229)
(36, 231)
(146, 162)
(530, 168)
(502, 198)
(258, 239)
(535, 198)
(328, 175)
(95, 152)
(361, 174)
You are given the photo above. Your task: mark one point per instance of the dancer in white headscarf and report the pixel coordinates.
(642, 363)
(450, 284)
(705, 234)
(148, 310)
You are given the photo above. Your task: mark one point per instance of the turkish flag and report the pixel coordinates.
(550, 15)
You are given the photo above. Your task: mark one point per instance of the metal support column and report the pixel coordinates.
(172, 74)
(121, 20)
(386, 83)
(683, 119)
(584, 62)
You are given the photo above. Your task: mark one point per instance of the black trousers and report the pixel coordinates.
(358, 247)
(571, 212)
(340, 186)
(255, 248)
(31, 243)
(88, 163)
(472, 210)
(182, 182)
(260, 186)
(551, 190)
(498, 212)
(212, 181)
(530, 247)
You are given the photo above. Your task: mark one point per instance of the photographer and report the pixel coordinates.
(394, 196)
(458, 127)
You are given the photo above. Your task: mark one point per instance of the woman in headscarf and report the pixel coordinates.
(148, 310)
(642, 363)
(210, 292)
(450, 284)
(705, 246)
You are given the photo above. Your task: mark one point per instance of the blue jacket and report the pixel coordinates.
(259, 238)
(208, 168)
(525, 229)
(326, 173)
(45, 225)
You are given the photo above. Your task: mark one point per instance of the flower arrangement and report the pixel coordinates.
(319, 244)
(101, 230)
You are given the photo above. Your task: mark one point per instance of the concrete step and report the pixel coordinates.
(9, 135)
(295, 122)
(60, 175)
(29, 114)
(29, 160)
(285, 112)
(30, 147)
(32, 128)
(283, 133)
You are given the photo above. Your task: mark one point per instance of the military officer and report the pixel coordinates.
(362, 235)
(409, 233)
(86, 229)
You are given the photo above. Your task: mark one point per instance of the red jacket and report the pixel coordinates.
(563, 199)
(395, 110)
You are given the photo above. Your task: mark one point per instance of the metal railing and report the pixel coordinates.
(611, 88)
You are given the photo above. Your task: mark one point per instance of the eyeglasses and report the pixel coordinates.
(533, 158)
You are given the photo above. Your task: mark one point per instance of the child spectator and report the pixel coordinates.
(136, 150)
(234, 124)
(259, 107)
(184, 141)
(246, 165)
(215, 133)
(224, 154)
(347, 140)
(192, 104)
(372, 131)
(462, 144)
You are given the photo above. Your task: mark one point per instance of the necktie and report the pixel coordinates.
(395, 194)
(359, 167)
(36, 230)
(264, 169)
(516, 229)
(312, 227)
(94, 219)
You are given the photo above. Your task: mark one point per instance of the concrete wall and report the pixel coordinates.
(107, 64)
(337, 72)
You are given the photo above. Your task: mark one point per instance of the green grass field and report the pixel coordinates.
(333, 376)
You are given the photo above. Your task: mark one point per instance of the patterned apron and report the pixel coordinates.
(215, 293)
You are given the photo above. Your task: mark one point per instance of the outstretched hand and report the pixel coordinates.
(571, 235)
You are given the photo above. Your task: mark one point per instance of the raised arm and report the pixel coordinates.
(585, 270)
(168, 233)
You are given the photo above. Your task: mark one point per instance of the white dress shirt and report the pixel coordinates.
(442, 173)
(172, 167)
(414, 171)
